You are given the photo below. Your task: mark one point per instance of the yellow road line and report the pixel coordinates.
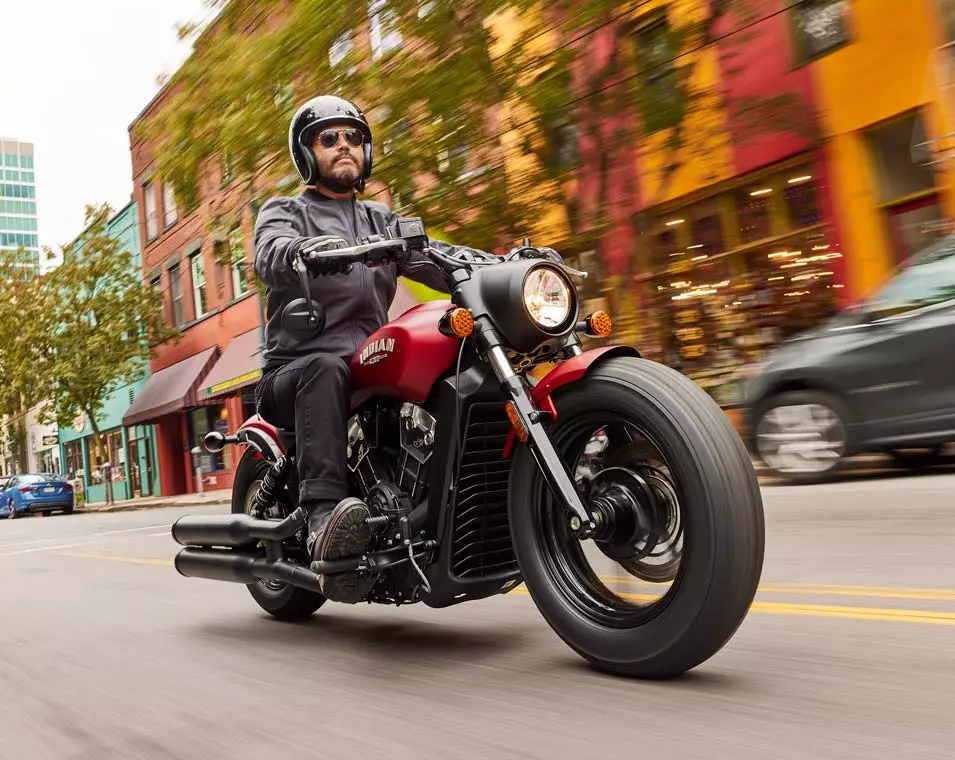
(112, 558)
(777, 608)
(880, 592)
(822, 610)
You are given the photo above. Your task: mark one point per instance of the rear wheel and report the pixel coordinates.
(279, 599)
(681, 516)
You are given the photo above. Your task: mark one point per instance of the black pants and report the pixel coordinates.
(311, 396)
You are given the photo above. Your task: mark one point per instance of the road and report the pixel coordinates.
(849, 652)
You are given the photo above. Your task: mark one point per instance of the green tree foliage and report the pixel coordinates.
(89, 326)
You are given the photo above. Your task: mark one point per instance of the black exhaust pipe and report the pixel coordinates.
(234, 530)
(239, 567)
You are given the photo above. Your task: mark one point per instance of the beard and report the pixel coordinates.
(340, 175)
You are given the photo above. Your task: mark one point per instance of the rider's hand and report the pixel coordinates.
(323, 265)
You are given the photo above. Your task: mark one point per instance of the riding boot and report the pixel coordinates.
(336, 532)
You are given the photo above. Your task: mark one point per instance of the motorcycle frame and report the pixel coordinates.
(487, 377)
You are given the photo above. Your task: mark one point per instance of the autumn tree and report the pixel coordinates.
(488, 114)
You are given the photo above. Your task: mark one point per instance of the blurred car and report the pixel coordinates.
(879, 377)
(35, 494)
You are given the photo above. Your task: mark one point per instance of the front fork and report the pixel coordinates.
(582, 523)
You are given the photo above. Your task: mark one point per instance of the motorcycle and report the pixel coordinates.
(482, 477)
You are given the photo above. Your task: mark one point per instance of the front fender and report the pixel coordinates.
(569, 371)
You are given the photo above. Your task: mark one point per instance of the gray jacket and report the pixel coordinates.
(356, 304)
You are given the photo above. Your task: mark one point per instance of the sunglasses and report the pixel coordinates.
(328, 138)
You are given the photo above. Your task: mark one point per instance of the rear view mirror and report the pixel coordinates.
(297, 321)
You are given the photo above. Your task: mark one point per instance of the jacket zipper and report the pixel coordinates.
(361, 274)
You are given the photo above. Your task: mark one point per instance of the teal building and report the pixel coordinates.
(126, 457)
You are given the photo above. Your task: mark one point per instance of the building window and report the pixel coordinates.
(906, 186)
(819, 28)
(152, 225)
(106, 451)
(340, 49)
(74, 459)
(204, 420)
(899, 176)
(385, 35)
(240, 278)
(658, 96)
(170, 212)
(198, 283)
(175, 294)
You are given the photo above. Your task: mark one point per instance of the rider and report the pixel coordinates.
(306, 383)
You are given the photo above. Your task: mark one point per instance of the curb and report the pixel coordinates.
(138, 506)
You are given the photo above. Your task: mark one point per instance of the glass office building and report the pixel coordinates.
(18, 227)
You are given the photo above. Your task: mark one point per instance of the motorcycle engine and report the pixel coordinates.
(380, 454)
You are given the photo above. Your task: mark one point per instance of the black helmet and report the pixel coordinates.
(313, 116)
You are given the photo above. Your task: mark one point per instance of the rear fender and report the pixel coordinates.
(565, 373)
(261, 436)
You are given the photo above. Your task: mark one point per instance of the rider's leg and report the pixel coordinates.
(311, 395)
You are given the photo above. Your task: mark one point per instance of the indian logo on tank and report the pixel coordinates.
(377, 350)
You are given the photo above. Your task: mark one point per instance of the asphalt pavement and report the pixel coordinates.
(849, 652)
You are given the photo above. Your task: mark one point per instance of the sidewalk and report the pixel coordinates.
(218, 497)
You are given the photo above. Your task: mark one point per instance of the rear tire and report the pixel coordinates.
(280, 600)
(722, 511)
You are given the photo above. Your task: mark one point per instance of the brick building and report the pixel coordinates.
(201, 260)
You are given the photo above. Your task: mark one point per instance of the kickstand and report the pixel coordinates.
(406, 540)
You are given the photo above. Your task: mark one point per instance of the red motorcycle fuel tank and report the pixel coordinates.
(405, 357)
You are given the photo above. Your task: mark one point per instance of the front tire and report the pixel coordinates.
(722, 523)
(285, 602)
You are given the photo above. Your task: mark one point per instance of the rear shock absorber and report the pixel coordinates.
(272, 485)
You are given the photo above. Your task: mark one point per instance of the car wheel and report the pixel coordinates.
(13, 510)
(802, 436)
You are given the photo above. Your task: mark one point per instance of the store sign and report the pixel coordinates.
(821, 26)
(51, 440)
(79, 423)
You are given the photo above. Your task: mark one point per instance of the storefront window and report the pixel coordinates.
(718, 309)
(753, 209)
(105, 451)
(74, 459)
(204, 420)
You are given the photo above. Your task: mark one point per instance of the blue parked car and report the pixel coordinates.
(32, 494)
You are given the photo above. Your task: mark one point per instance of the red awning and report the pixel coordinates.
(240, 365)
(171, 389)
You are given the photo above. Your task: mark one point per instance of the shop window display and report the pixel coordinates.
(732, 276)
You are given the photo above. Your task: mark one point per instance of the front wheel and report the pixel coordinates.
(281, 600)
(682, 523)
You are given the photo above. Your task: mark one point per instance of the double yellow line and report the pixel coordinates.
(773, 608)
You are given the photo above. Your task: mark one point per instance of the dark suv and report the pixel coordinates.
(880, 377)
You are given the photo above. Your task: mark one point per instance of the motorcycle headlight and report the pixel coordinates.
(548, 298)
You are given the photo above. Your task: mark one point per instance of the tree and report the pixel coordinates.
(19, 383)
(94, 324)
(489, 115)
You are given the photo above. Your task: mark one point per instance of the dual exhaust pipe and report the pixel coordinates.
(213, 547)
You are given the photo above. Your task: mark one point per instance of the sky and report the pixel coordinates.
(73, 76)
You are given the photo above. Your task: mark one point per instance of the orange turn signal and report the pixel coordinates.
(516, 421)
(599, 324)
(461, 322)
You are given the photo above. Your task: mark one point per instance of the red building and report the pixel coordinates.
(205, 379)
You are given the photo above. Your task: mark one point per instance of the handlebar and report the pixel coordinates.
(358, 254)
